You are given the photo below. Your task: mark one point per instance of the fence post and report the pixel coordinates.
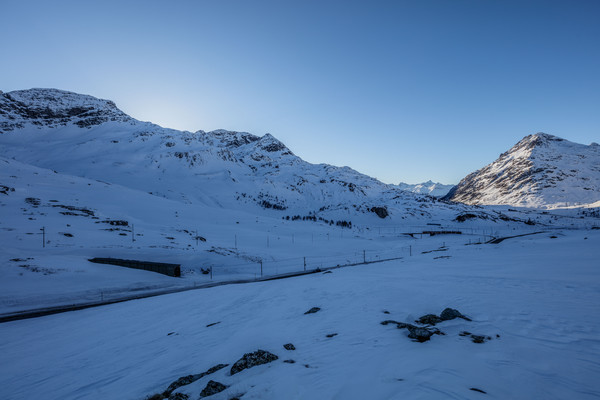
(304, 264)
(261, 271)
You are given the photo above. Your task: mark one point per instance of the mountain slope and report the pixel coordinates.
(88, 137)
(541, 171)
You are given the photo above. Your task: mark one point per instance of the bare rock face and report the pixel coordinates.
(250, 360)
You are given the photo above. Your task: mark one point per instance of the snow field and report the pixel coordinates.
(539, 294)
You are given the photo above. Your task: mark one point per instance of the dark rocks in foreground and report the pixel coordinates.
(423, 334)
(419, 334)
(451, 313)
(212, 387)
(250, 360)
(446, 315)
(289, 346)
(186, 380)
(429, 319)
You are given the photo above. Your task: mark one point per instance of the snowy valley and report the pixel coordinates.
(80, 179)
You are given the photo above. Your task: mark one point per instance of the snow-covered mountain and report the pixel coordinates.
(541, 171)
(430, 188)
(80, 135)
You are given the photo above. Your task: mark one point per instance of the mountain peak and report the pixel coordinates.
(53, 107)
(541, 170)
(58, 100)
(270, 144)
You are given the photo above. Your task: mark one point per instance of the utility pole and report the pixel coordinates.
(261, 272)
(304, 264)
(410, 250)
(43, 236)
(196, 237)
(364, 256)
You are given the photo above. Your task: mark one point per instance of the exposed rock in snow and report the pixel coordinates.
(313, 310)
(212, 387)
(186, 380)
(429, 319)
(250, 360)
(419, 334)
(451, 313)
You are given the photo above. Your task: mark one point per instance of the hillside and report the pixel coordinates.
(88, 137)
(540, 171)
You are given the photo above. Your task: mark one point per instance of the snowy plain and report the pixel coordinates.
(539, 294)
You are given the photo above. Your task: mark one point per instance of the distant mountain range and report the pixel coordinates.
(540, 171)
(430, 188)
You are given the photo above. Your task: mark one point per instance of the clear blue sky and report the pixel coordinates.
(399, 90)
